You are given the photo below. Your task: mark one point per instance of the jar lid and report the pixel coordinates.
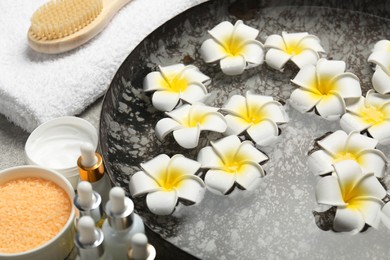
(56, 144)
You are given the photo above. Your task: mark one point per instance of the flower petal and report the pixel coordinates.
(194, 92)
(141, 183)
(191, 189)
(168, 72)
(162, 202)
(328, 192)
(264, 133)
(255, 100)
(248, 173)
(293, 38)
(331, 107)
(193, 75)
(222, 31)
(306, 78)
(212, 51)
(274, 111)
(180, 114)
(334, 143)
(165, 100)
(376, 99)
(348, 220)
(165, 126)
(303, 100)
(382, 45)
(349, 174)
(368, 186)
(327, 69)
(226, 147)
(305, 57)
(243, 31)
(370, 210)
(374, 161)
(218, 181)
(236, 105)
(233, 65)
(356, 106)
(357, 143)
(350, 122)
(179, 163)
(382, 59)
(385, 215)
(347, 85)
(274, 41)
(381, 81)
(320, 163)
(208, 158)
(276, 58)
(253, 53)
(154, 81)
(214, 122)
(235, 125)
(155, 166)
(381, 132)
(247, 152)
(187, 137)
(311, 42)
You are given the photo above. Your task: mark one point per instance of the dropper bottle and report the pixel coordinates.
(89, 203)
(89, 241)
(121, 224)
(91, 169)
(140, 249)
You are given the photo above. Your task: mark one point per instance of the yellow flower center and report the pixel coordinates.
(175, 84)
(351, 196)
(293, 48)
(233, 46)
(194, 120)
(232, 167)
(251, 114)
(343, 156)
(324, 85)
(372, 115)
(168, 180)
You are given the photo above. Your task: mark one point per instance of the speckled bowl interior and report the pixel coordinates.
(276, 220)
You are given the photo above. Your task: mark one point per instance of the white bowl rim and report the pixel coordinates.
(70, 220)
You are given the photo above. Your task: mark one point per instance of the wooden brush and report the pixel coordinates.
(62, 25)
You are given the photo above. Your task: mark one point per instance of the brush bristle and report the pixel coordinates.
(60, 18)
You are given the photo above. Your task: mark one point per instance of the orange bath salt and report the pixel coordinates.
(32, 211)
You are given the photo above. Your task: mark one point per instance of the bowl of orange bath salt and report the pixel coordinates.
(36, 214)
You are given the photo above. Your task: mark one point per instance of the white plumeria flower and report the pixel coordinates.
(165, 181)
(325, 87)
(371, 114)
(258, 115)
(231, 162)
(174, 83)
(381, 57)
(357, 196)
(187, 121)
(340, 146)
(300, 48)
(234, 46)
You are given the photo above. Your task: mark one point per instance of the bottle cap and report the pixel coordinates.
(88, 202)
(119, 210)
(89, 239)
(140, 249)
(91, 167)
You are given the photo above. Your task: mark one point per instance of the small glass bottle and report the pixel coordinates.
(121, 224)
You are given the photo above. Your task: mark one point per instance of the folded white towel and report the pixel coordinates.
(38, 87)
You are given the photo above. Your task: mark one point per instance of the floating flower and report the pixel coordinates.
(174, 83)
(381, 57)
(187, 121)
(356, 195)
(258, 115)
(234, 46)
(371, 114)
(340, 146)
(231, 162)
(325, 87)
(300, 48)
(165, 181)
